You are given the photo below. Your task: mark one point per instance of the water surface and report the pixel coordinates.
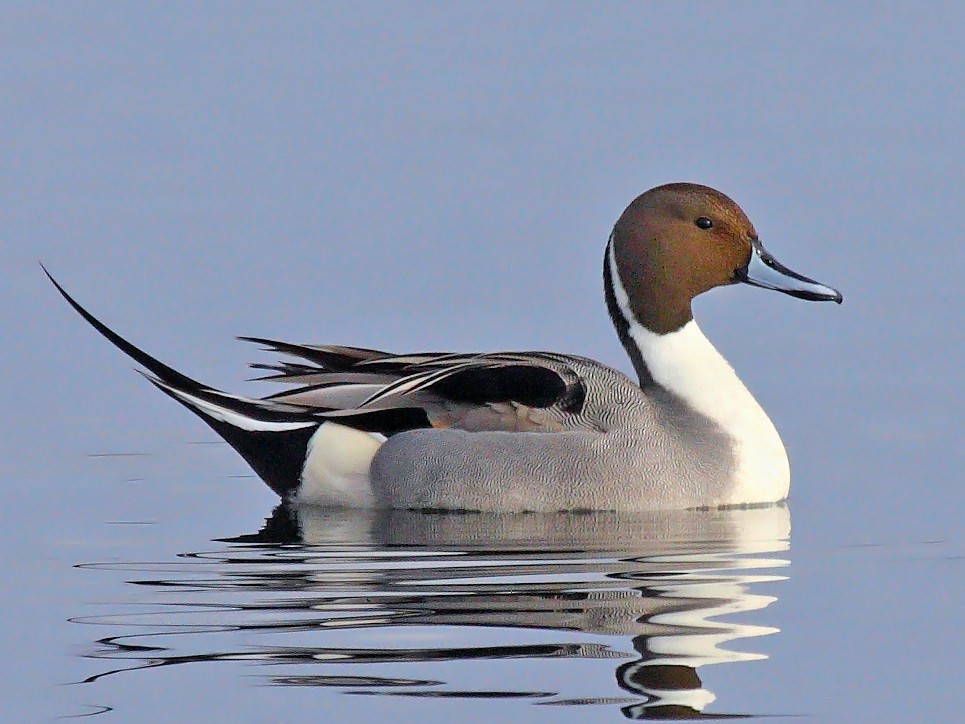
(625, 614)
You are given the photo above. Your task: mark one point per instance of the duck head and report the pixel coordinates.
(680, 240)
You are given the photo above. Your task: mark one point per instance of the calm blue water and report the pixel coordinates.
(353, 611)
(359, 615)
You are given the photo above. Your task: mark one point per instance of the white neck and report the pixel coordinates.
(687, 364)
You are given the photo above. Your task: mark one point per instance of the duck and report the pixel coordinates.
(534, 431)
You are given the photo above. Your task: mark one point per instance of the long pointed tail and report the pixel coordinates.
(272, 437)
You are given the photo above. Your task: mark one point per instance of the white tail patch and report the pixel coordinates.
(336, 471)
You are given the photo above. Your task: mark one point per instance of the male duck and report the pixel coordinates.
(532, 431)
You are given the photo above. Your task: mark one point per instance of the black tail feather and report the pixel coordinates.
(276, 455)
(168, 374)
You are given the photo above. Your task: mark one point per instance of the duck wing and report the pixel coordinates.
(509, 391)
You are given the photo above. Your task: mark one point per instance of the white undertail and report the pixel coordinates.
(336, 471)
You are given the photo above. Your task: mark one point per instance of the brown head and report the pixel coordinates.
(680, 240)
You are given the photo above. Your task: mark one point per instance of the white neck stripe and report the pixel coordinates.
(619, 293)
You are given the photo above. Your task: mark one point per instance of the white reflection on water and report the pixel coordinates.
(644, 595)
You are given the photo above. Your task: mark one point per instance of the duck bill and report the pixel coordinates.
(763, 270)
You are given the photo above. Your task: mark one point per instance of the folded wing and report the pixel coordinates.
(510, 391)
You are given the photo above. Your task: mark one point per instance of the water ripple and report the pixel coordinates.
(647, 596)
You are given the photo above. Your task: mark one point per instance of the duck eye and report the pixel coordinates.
(704, 223)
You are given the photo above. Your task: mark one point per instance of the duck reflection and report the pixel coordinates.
(646, 591)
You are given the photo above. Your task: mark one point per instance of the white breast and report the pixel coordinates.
(688, 365)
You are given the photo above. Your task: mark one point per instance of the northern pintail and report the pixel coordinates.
(531, 431)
